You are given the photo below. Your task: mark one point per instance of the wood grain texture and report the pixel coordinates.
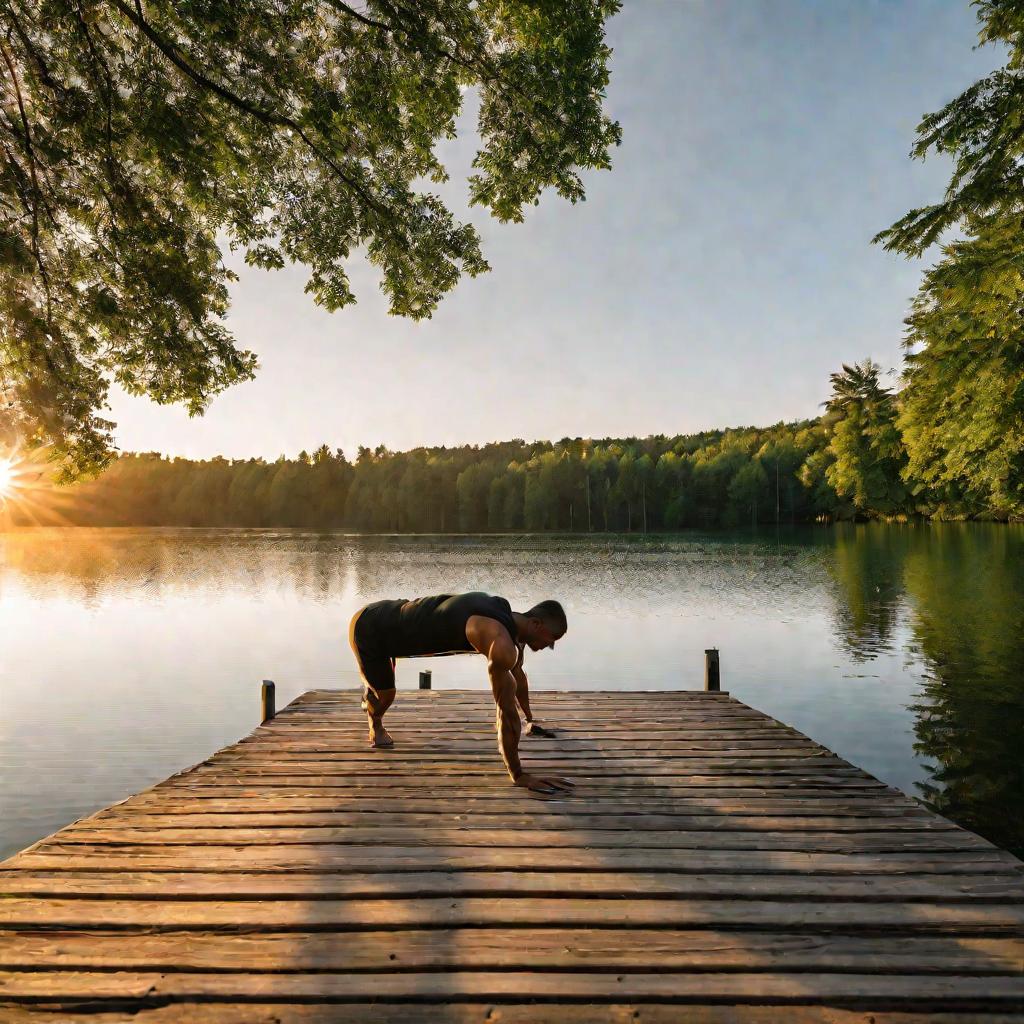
(316, 1012)
(710, 858)
(916, 990)
(544, 949)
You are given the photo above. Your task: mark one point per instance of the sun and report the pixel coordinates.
(26, 492)
(8, 478)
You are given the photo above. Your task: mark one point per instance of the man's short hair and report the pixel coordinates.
(551, 613)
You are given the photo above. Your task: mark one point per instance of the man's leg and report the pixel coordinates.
(378, 672)
(376, 702)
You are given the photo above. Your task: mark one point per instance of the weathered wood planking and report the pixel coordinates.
(713, 865)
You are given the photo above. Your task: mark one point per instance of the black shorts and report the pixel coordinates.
(375, 664)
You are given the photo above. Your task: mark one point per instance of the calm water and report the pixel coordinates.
(129, 654)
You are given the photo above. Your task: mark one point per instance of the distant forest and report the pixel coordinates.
(849, 463)
(718, 478)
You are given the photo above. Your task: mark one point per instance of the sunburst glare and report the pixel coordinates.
(27, 494)
(8, 478)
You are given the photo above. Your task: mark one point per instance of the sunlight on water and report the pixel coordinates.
(130, 654)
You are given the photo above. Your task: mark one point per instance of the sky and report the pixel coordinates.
(714, 277)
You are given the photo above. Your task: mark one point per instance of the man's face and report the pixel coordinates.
(544, 636)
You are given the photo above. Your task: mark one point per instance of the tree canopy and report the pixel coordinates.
(136, 134)
(866, 447)
(962, 404)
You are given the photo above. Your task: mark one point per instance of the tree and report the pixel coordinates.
(980, 130)
(135, 134)
(746, 489)
(962, 408)
(672, 474)
(867, 452)
(473, 487)
(644, 470)
(626, 487)
(963, 404)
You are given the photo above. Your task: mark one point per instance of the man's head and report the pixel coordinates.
(545, 623)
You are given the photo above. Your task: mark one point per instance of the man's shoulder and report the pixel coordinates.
(483, 630)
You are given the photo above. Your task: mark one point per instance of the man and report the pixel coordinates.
(455, 624)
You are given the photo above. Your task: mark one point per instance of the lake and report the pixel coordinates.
(131, 653)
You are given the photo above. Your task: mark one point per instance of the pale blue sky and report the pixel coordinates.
(714, 277)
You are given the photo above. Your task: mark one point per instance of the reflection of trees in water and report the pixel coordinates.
(967, 588)
(96, 563)
(322, 566)
(867, 564)
(964, 584)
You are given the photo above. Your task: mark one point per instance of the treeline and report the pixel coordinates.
(850, 463)
(721, 478)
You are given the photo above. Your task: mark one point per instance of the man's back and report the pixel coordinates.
(432, 625)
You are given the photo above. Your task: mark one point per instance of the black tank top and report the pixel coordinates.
(433, 625)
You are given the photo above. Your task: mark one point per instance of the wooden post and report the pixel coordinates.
(267, 700)
(712, 676)
(425, 680)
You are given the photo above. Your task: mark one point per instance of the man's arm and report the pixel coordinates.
(492, 639)
(523, 697)
(522, 687)
(509, 728)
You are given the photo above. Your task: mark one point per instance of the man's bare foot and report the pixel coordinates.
(380, 737)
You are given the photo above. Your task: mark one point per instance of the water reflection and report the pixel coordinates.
(967, 591)
(131, 653)
(867, 564)
(963, 586)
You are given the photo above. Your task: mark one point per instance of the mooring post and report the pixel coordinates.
(712, 675)
(267, 699)
(425, 680)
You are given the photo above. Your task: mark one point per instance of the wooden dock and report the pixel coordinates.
(710, 856)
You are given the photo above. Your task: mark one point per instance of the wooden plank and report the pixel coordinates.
(768, 834)
(1007, 888)
(571, 709)
(570, 721)
(917, 991)
(655, 797)
(447, 709)
(198, 824)
(580, 718)
(328, 697)
(473, 912)
(426, 858)
(505, 1013)
(449, 696)
(621, 785)
(428, 730)
(361, 803)
(673, 727)
(363, 808)
(729, 767)
(357, 749)
(892, 840)
(489, 757)
(543, 949)
(395, 761)
(460, 730)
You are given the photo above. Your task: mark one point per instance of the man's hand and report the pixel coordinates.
(544, 783)
(533, 729)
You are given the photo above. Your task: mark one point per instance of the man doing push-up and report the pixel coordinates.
(457, 624)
